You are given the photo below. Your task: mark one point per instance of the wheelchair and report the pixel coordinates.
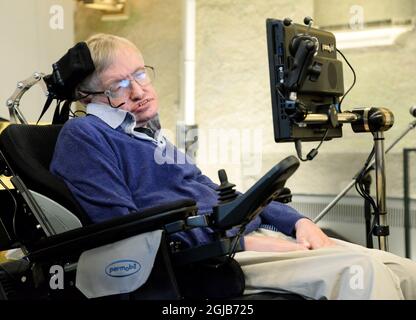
(52, 229)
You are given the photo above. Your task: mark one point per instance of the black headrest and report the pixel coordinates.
(69, 72)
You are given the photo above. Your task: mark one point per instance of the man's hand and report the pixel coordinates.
(310, 235)
(271, 244)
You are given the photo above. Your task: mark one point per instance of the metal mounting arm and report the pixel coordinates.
(22, 86)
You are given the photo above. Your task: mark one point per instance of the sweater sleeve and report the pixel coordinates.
(89, 167)
(201, 178)
(281, 216)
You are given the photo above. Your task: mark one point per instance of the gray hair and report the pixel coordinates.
(103, 48)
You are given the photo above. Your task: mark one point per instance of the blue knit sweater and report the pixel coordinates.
(112, 173)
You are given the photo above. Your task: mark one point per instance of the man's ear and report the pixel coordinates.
(86, 100)
(82, 97)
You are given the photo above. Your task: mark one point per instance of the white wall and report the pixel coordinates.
(338, 13)
(32, 39)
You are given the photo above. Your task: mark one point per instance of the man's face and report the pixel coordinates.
(141, 100)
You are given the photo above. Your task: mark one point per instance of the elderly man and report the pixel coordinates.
(107, 159)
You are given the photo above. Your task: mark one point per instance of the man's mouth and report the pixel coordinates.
(143, 102)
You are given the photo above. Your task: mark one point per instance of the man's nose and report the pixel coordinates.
(137, 91)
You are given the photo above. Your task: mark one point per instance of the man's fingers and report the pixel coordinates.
(297, 246)
(304, 242)
(321, 243)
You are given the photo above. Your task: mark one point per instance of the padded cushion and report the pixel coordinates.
(29, 150)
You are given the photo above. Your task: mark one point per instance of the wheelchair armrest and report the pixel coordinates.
(75, 241)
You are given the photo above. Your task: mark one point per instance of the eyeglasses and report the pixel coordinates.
(122, 88)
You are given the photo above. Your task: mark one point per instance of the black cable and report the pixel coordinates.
(74, 113)
(373, 224)
(79, 111)
(354, 79)
(367, 162)
(375, 211)
(280, 93)
(363, 172)
(298, 147)
(236, 240)
(323, 138)
(88, 93)
(360, 187)
(361, 191)
(313, 153)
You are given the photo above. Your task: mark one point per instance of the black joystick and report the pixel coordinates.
(225, 191)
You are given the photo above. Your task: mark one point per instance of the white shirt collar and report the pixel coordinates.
(116, 117)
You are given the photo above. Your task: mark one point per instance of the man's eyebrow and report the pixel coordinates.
(139, 69)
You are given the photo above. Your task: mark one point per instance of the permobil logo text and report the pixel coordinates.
(122, 268)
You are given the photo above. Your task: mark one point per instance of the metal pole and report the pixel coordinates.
(335, 201)
(381, 188)
(411, 126)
